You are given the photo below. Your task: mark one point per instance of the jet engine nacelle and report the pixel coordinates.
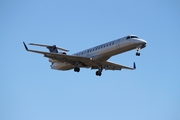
(63, 53)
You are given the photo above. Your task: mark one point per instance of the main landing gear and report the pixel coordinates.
(99, 72)
(76, 69)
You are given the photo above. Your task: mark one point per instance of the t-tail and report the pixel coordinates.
(52, 48)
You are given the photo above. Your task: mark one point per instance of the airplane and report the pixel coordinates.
(94, 58)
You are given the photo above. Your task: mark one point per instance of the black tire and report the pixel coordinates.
(137, 54)
(78, 69)
(98, 73)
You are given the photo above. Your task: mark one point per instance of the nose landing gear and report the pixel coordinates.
(138, 53)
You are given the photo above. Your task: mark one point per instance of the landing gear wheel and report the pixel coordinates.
(76, 69)
(98, 73)
(137, 54)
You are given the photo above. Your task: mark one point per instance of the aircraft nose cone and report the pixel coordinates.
(145, 42)
(142, 41)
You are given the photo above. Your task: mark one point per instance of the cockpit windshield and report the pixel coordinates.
(132, 36)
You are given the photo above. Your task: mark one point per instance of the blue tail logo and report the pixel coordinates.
(52, 49)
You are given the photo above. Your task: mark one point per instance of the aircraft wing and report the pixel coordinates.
(60, 57)
(107, 65)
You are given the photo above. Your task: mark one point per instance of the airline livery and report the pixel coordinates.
(94, 58)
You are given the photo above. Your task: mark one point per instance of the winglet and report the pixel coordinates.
(25, 46)
(134, 66)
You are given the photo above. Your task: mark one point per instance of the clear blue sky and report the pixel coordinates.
(30, 90)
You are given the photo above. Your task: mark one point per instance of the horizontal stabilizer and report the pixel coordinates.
(25, 46)
(49, 46)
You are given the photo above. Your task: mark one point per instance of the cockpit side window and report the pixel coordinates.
(128, 37)
(134, 37)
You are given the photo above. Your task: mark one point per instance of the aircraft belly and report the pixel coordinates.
(62, 66)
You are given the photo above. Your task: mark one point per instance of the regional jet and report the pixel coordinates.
(94, 58)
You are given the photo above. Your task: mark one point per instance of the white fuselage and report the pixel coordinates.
(104, 51)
